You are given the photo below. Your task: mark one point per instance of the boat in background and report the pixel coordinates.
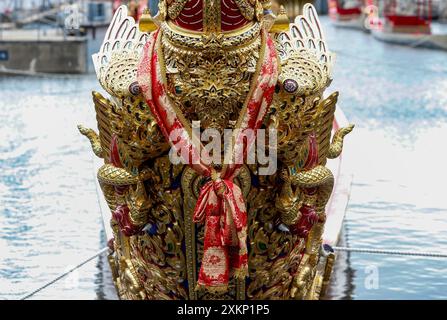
(338, 202)
(408, 23)
(347, 13)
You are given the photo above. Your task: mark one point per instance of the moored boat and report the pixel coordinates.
(408, 23)
(347, 14)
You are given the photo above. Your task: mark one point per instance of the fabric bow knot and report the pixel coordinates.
(221, 208)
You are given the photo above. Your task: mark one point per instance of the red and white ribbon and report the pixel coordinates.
(220, 206)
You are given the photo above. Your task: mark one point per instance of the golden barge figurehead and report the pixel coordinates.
(201, 229)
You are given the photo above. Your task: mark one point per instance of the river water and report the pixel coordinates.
(396, 96)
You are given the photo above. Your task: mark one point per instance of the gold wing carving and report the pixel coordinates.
(305, 35)
(297, 120)
(300, 109)
(328, 149)
(324, 125)
(123, 35)
(126, 114)
(103, 107)
(100, 142)
(122, 40)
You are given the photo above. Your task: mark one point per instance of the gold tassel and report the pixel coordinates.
(282, 22)
(147, 23)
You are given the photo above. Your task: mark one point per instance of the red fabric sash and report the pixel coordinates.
(220, 204)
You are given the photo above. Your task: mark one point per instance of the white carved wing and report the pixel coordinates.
(306, 34)
(122, 35)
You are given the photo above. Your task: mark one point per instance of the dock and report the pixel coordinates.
(42, 51)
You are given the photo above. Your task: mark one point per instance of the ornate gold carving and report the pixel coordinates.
(175, 7)
(129, 287)
(227, 41)
(336, 146)
(330, 260)
(120, 73)
(139, 204)
(208, 76)
(302, 279)
(246, 8)
(162, 12)
(210, 87)
(158, 253)
(288, 203)
(109, 194)
(211, 16)
(111, 175)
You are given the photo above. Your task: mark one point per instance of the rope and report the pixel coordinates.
(103, 250)
(393, 252)
(341, 249)
(32, 293)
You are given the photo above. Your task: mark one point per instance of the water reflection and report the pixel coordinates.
(398, 99)
(49, 210)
